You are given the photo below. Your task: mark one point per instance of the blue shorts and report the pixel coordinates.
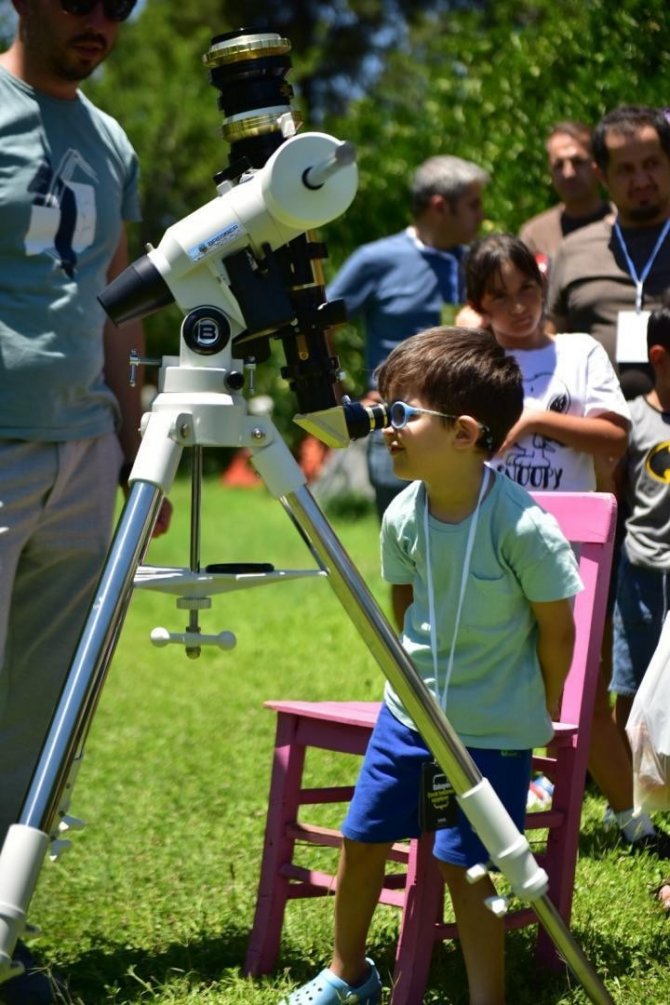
(385, 804)
(639, 612)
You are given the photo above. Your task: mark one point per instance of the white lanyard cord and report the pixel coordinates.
(464, 578)
(639, 280)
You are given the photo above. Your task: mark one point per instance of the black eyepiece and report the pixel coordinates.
(362, 420)
(136, 292)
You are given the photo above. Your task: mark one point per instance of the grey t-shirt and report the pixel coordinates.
(589, 282)
(647, 540)
(68, 179)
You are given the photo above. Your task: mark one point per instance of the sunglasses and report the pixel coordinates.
(400, 413)
(115, 10)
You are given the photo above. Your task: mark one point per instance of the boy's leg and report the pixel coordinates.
(384, 808)
(457, 848)
(360, 877)
(481, 934)
(609, 761)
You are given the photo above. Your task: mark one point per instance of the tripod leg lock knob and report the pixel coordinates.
(476, 872)
(57, 847)
(497, 905)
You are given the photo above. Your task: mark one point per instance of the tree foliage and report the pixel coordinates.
(403, 80)
(487, 86)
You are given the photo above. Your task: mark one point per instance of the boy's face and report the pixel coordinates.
(513, 305)
(420, 451)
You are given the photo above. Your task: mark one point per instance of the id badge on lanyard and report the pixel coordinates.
(631, 328)
(631, 336)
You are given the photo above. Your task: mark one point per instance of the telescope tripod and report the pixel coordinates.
(192, 411)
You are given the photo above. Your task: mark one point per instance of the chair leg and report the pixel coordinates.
(424, 902)
(562, 850)
(289, 760)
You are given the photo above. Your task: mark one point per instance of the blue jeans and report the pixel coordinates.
(639, 612)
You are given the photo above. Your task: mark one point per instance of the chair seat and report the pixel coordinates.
(351, 713)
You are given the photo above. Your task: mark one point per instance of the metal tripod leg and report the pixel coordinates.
(508, 848)
(26, 842)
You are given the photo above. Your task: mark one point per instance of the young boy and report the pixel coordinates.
(481, 579)
(643, 583)
(643, 586)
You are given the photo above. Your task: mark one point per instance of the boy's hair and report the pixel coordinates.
(658, 328)
(460, 371)
(443, 175)
(627, 120)
(486, 259)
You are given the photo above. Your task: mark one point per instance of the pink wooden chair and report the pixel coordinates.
(587, 519)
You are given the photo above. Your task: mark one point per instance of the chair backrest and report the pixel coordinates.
(588, 520)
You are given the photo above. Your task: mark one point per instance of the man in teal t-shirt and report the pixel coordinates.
(68, 418)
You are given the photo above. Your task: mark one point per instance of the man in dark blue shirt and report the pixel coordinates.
(399, 285)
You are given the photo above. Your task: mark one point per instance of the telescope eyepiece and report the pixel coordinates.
(136, 292)
(362, 419)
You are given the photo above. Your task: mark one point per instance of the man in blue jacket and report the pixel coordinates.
(399, 285)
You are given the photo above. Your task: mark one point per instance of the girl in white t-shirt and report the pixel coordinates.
(574, 411)
(575, 419)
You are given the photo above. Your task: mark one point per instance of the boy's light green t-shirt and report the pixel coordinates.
(495, 697)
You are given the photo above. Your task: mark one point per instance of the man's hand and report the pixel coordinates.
(163, 519)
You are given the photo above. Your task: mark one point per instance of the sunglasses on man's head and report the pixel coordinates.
(400, 413)
(115, 10)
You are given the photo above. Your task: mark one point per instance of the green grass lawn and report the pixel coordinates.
(155, 901)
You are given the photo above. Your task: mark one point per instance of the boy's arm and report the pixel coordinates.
(605, 434)
(402, 596)
(555, 642)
